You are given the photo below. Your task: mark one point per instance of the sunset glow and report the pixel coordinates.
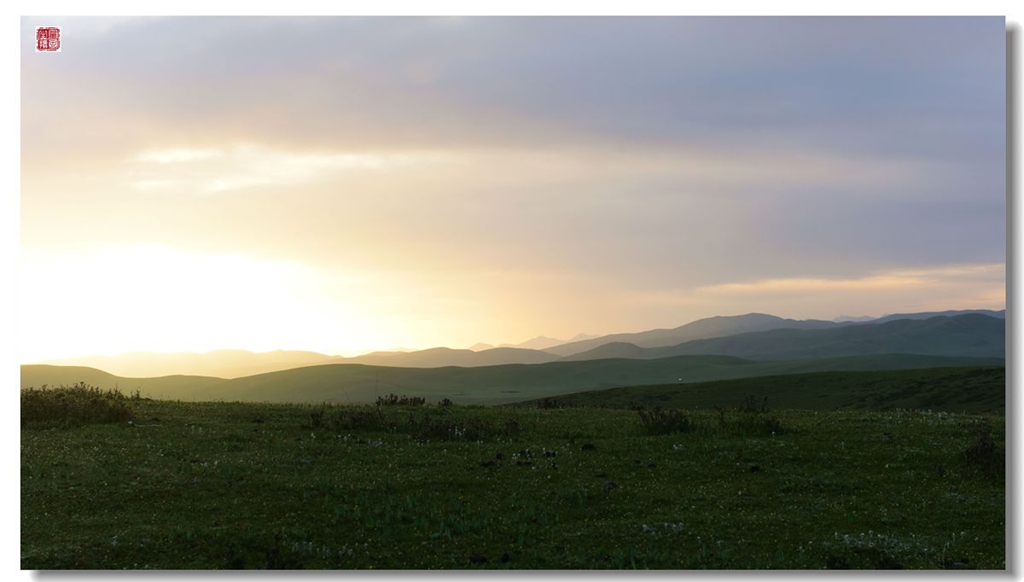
(369, 190)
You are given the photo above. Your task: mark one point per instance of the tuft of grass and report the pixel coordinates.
(75, 405)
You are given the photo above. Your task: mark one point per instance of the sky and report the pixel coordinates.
(352, 184)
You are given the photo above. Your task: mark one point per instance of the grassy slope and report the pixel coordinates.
(963, 335)
(207, 486)
(183, 387)
(972, 390)
(350, 383)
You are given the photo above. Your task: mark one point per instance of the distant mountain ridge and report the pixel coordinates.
(701, 329)
(536, 343)
(971, 335)
(441, 357)
(1001, 314)
(640, 345)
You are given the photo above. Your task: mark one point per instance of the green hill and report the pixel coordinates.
(973, 335)
(1001, 314)
(217, 363)
(975, 390)
(709, 327)
(355, 383)
(163, 387)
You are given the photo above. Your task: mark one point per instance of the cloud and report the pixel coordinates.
(206, 170)
(178, 155)
(680, 167)
(906, 279)
(793, 82)
(961, 286)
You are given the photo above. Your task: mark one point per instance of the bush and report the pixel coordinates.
(403, 400)
(749, 422)
(362, 419)
(756, 425)
(658, 421)
(751, 404)
(983, 455)
(547, 404)
(316, 416)
(74, 405)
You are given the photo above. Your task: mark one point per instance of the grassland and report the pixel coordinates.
(218, 485)
(975, 390)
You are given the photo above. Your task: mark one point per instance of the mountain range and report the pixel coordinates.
(977, 333)
(537, 343)
(971, 335)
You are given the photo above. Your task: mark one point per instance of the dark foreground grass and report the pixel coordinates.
(258, 486)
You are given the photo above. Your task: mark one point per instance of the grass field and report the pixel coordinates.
(215, 485)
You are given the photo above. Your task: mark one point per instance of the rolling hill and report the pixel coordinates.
(973, 335)
(477, 385)
(974, 390)
(1001, 314)
(239, 363)
(220, 363)
(702, 328)
(441, 357)
(165, 387)
(722, 335)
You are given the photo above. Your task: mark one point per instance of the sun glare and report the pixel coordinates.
(153, 298)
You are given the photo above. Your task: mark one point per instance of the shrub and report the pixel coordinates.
(511, 427)
(983, 455)
(73, 405)
(658, 421)
(362, 419)
(756, 424)
(751, 404)
(748, 423)
(403, 400)
(316, 416)
(547, 404)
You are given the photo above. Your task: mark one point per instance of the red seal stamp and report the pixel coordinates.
(48, 39)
